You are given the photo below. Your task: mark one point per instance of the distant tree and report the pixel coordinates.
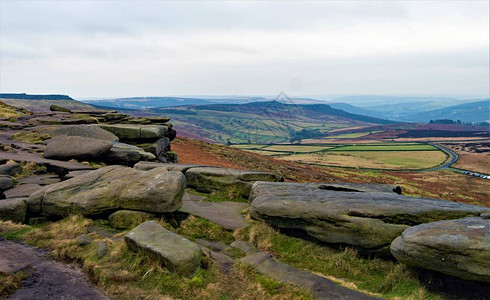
(431, 122)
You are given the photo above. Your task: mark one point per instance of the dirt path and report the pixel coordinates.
(48, 279)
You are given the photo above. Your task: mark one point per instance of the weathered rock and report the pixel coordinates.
(83, 240)
(55, 107)
(77, 147)
(88, 131)
(102, 249)
(127, 219)
(5, 183)
(111, 188)
(175, 252)
(162, 146)
(485, 215)
(24, 190)
(136, 132)
(76, 173)
(232, 181)
(223, 261)
(320, 287)
(10, 169)
(13, 209)
(121, 157)
(460, 248)
(149, 165)
(245, 247)
(369, 221)
(143, 154)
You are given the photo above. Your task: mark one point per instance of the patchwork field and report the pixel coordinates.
(393, 156)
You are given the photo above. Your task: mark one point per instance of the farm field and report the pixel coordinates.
(373, 159)
(392, 156)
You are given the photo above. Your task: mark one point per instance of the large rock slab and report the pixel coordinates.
(136, 132)
(143, 154)
(13, 209)
(366, 220)
(232, 181)
(89, 131)
(24, 190)
(319, 286)
(175, 252)
(460, 248)
(5, 183)
(69, 147)
(111, 188)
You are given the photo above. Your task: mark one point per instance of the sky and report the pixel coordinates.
(89, 49)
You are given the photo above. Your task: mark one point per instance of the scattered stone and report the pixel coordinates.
(10, 169)
(55, 107)
(128, 219)
(76, 147)
(5, 183)
(13, 209)
(459, 248)
(83, 240)
(320, 287)
(102, 249)
(245, 247)
(175, 252)
(215, 246)
(24, 190)
(223, 261)
(227, 214)
(111, 188)
(103, 232)
(368, 221)
(88, 131)
(136, 132)
(235, 182)
(147, 165)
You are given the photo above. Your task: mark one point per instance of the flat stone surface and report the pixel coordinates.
(245, 247)
(460, 248)
(40, 179)
(214, 246)
(89, 131)
(227, 214)
(223, 261)
(320, 287)
(10, 169)
(57, 166)
(176, 252)
(24, 190)
(136, 132)
(49, 279)
(76, 173)
(366, 220)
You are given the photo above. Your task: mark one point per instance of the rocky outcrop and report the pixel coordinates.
(149, 165)
(460, 248)
(13, 209)
(76, 147)
(174, 251)
(112, 188)
(230, 181)
(136, 132)
(366, 220)
(127, 219)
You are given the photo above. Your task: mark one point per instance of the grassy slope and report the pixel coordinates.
(43, 105)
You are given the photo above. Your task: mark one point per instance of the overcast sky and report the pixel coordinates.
(157, 48)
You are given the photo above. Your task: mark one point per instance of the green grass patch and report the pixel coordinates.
(393, 147)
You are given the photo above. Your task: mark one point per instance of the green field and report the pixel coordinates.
(392, 156)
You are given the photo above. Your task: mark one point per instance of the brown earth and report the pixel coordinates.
(473, 156)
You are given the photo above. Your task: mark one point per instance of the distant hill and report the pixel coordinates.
(262, 122)
(478, 111)
(42, 102)
(357, 110)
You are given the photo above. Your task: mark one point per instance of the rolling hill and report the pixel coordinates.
(262, 122)
(478, 111)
